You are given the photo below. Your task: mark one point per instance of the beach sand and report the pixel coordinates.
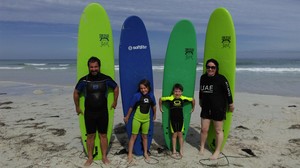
(41, 129)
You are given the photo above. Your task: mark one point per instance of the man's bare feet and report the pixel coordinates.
(105, 161)
(88, 162)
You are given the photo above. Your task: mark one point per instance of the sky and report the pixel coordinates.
(35, 29)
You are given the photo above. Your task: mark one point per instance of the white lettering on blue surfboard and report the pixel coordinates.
(137, 47)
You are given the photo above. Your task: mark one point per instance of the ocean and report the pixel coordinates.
(270, 76)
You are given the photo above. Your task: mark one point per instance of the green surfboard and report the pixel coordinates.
(179, 67)
(95, 39)
(220, 44)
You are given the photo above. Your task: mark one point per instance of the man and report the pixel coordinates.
(94, 87)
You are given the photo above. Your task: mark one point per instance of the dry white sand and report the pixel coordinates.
(41, 129)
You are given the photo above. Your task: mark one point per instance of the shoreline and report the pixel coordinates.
(16, 83)
(40, 129)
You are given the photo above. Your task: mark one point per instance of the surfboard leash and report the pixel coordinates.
(215, 165)
(227, 160)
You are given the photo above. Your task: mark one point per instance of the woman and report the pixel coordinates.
(214, 97)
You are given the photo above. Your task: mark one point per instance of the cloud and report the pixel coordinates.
(160, 14)
(272, 24)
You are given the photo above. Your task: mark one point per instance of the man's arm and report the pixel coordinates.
(116, 95)
(76, 101)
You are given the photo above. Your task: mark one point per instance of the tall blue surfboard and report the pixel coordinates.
(134, 64)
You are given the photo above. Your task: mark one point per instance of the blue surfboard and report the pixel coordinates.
(134, 65)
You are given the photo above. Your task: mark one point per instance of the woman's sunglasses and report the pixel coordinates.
(210, 67)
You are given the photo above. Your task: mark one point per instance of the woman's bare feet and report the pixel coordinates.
(201, 152)
(215, 156)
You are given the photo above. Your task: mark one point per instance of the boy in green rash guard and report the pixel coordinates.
(176, 102)
(141, 103)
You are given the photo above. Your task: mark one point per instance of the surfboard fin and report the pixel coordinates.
(96, 152)
(249, 151)
(122, 151)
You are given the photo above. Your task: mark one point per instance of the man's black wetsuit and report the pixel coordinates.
(95, 88)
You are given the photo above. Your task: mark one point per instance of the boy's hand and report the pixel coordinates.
(192, 110)
(161, 110)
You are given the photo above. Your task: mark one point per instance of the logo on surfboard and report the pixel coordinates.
(137, 47)
(226, 40)
(104, 40)
(189, 52)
